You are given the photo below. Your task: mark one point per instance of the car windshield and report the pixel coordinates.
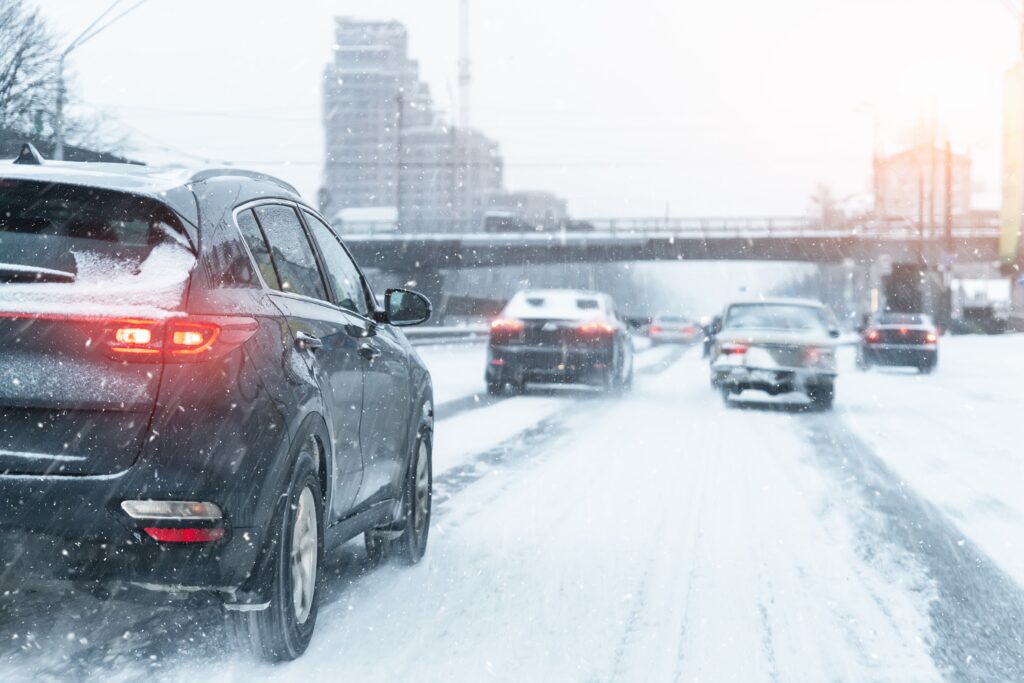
(774, 317)
(523, 340)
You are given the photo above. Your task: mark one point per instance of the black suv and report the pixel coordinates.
(198, 392)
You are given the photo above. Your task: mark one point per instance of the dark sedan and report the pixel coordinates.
(559, 335)
(899, 340)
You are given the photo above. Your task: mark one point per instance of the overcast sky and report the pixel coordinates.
(625, 107)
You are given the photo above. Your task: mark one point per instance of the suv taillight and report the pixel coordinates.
(178, 340)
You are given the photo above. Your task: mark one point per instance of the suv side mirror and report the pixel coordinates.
(404, 307)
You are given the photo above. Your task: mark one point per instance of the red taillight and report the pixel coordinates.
(873, 335)
(812, 356)
(179, 340)
(506, 330)
(136, 339)
(596, 329)
(188, 339)
(931, 338)
(655, 329)
(734, 349)
(133, 336)
(903, 330)
(506, 325)
(185, 535)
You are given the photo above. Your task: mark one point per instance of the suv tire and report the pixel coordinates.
(282, 631)
(406, 541)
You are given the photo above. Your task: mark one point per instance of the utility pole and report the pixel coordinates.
(949, 199)
(90, 32)
(464, 83)
(399, 122)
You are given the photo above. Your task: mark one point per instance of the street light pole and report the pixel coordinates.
(90, 32)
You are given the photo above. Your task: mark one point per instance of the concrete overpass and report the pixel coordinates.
(653, 239)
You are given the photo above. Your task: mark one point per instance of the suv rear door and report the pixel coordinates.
(386, 377)
(82, 270)
(326, 337)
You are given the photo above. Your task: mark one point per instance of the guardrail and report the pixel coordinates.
(464, 334)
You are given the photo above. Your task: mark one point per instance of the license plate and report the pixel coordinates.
(763, 376)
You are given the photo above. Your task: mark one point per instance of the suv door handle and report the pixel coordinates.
(307, 342)
(368, 351)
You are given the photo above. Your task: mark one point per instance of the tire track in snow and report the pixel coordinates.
(978, 618)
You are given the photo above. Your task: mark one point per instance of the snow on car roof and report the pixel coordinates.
(557, 304)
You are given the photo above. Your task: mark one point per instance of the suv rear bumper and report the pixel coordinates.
(73, 529)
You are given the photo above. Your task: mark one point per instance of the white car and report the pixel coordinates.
(776, 346)
(668, 328)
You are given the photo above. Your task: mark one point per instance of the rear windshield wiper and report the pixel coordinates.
(13, 272)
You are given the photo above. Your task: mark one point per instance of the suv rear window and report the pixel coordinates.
(43, 225)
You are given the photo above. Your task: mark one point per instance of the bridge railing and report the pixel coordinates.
(687, 228)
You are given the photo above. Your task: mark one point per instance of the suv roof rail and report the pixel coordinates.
(209, 173)
(29, 155)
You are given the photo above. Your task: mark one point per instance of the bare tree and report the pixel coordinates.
(28, 67)
(28, 84)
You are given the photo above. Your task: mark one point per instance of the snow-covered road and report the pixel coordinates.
(653, 536)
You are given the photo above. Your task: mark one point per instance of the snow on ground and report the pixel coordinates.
(953, 436)
(456, 369)
(658, 536)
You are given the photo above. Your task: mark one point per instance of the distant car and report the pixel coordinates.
(777, 346)
(199, 395)
(559, 335)
(669, 328)
(709, 331)
(899, 340)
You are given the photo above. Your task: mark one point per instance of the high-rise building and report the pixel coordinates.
(447, 176)
(385, 146)
(371, 89)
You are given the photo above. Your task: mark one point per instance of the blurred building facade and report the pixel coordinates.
(911, 185)
(385, 144)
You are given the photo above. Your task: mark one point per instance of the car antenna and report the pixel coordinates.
(29, 155)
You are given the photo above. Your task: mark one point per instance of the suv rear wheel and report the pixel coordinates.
(407, 540)
(282, 631)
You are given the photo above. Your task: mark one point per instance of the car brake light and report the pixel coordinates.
(903, 330)
(506, 325)
(191, 338)
(873, 335)
(812, 356)
(655, 329)
(596, 328)
(931, 338)
(185, 535)
(734, 349)
(179, 340)
(133, 336)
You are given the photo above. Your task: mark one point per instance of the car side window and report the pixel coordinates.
(291, 251)
(258, 246)
(341, 269)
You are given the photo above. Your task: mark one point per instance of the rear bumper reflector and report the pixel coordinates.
(185, 535)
